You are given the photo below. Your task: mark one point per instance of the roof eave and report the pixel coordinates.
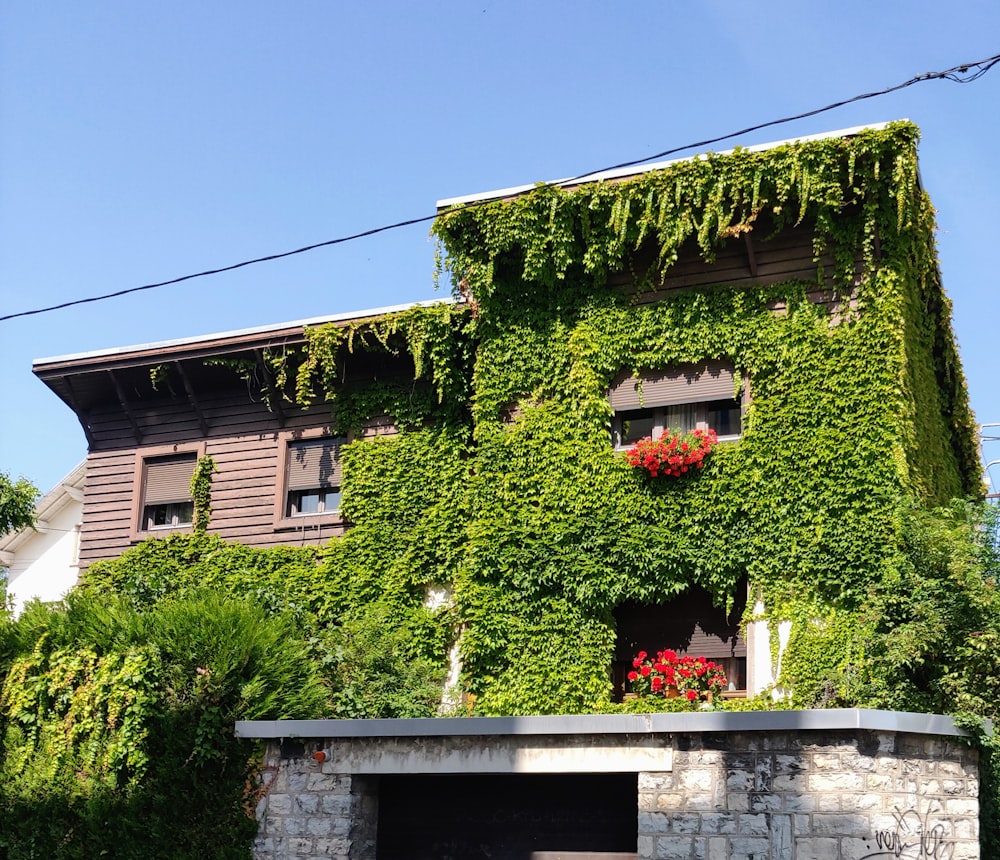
(626, 172)
(218, 343)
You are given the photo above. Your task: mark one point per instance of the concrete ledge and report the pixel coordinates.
(609, 724)
(585, 753)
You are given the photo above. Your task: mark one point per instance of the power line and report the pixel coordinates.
(962, 74)
(218, 271)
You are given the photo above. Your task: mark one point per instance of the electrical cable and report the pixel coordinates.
(961, 74)
(957, 74)
(218, 271)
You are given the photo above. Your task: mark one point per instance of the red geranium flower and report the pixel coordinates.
(673, 453)
(668, 673)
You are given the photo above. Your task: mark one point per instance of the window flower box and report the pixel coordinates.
(673, 454)
(669, 675)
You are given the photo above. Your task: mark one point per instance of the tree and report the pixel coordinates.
(17, 503)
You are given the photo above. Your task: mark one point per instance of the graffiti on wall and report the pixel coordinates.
(914, 836)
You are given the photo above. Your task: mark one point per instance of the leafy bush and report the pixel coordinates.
(116, 725)
(379, 669)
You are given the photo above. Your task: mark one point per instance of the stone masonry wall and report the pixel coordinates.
(306, 810)
(812, 796)
(761, 795)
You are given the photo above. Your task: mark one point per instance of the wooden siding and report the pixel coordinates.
(243, 439)
(746, 261)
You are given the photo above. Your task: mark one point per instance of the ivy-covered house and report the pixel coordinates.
(784, 301)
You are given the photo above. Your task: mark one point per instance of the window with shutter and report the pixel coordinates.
(682, 398)
(166, 494)
(312, 477)
(689, 624)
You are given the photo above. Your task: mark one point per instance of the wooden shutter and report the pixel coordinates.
(688, 624)
(715, 647)
(168, 479)
(710, 380)
(313, 465)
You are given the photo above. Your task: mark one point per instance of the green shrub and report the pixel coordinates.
(116, 725)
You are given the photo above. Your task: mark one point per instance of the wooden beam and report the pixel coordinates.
(751, 256)
(74, 402)
(192, 399)
(123, 402)
(271, 395)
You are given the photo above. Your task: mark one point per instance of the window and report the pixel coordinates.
(686, 398)
(688, 624)
(162, 491)
(303, 503)
(168, 515)
(311, 479)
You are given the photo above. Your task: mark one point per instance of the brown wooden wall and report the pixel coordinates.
(745, 261)
(242, 438)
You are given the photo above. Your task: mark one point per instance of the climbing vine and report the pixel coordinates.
(502, 490)
(438, 360)
(201, 492)
(849, 412)
(559, 291)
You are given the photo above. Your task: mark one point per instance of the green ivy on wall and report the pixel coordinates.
(846, 416)
(201, 492)
(546, 529)
(502, 488)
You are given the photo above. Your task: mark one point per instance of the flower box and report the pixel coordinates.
(669, 675)
(673, 454)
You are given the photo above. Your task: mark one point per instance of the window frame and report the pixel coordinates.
(287, 440)
(658, 414)
(138, 531)
(657, 408)
(695, 605)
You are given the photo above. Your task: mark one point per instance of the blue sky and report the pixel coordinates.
(140, 142)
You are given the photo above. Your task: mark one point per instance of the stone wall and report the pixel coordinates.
(307, 810)
(812, 796)
(851, 786)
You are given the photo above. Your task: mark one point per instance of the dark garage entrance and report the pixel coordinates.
(507, 816)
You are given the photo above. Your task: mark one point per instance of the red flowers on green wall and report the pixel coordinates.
(674, 453)
(669, 675)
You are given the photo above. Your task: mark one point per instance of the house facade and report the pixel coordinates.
(43, 561)
(784, 300)
(150, 412)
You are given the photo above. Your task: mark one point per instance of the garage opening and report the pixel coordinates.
(508, 817)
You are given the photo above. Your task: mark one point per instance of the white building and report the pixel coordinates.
(43, 562)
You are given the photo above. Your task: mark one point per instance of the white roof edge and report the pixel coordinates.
(636, 170)
(50, 503)
(263, 329)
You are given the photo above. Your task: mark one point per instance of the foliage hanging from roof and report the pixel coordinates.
(504, 489)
